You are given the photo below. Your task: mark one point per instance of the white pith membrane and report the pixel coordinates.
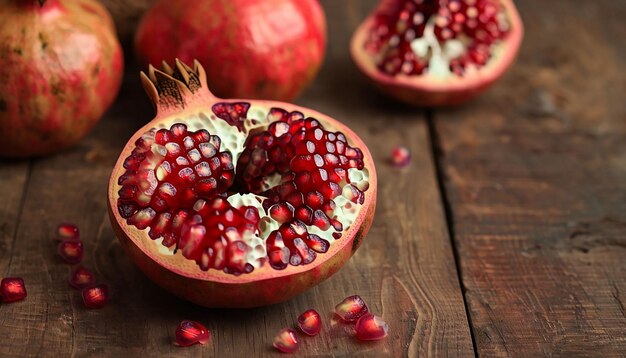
(232, 140)
(438, 54)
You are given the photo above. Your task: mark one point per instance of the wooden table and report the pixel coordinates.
(505, 237)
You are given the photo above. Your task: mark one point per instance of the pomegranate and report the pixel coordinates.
(61, 69)
(286, 340)
(238, 203)
(12, 289)
(371, 328)
(189, 333)
(351, 308)
(269, 49)
(82, 277)
(437, 52)
(96, 296)
(71, 251)
(67, 231)
(310, 322)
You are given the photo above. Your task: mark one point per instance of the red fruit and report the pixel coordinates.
(286, 340)
(70, 251)
(439, 52)
(96, 296)
(249, 232)
(310, 322)
(371, 328)
(61, 69)
(400, 157)
(189, 333)
(12, 289)
(266, 49)
(67, 231)
(81, 278)
(351, 308)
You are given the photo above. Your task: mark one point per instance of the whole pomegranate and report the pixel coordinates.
(266, 49)
(238, 203)
(437, 52)
(61, 68)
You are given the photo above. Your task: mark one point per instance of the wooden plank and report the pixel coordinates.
(13, 180)
(405, 269)
(535, 180)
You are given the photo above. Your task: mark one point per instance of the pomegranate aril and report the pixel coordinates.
(351, 308)
(310, 322)
(400, 157)
(71, 251)
(81, 278)
(189, 333)
(12, 289)
(371, 328)
(286, 340)
(96, 296)
(67, 231)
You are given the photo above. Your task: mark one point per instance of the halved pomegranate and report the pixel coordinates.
(238, 203)
(437, 52)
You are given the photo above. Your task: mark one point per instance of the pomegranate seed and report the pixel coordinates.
(96, 296)
(286, 340)
(189, 333)
(310, 322)
(70, 251)
(371, 328)
(67, 231)
(81, 278)
(12, 289)
(400, 157)
(351, 308)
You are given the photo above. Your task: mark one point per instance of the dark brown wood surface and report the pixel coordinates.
(524, 190)
(535, 176)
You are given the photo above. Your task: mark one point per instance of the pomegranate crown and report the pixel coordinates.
(175, 88)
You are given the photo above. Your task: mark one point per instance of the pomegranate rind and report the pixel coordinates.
(264, 285)
(432, 92)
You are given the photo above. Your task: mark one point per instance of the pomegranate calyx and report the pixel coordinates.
(175, 88)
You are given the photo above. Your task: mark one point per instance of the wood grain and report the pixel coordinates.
(405, 268)
(535, 180)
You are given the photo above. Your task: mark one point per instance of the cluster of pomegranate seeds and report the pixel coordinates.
(167, 172)
(286, 340)
(82, 277)
(189, 333)
(213, 237)
(233, 113)
(475, 25)
(368, 326)
(95, 296)
(71, 251)
(400, 157)
(310, 322)
(314, 166)
(12, 289)
(351, 308)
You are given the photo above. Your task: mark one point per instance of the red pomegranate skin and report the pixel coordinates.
(259, 49)
(61, 67)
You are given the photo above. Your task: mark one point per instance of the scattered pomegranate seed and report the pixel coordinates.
(81, 278)
(70, 251)
(67, 231)
(286, 340)
(12, 289)
(371, 328)
(96, 296)
(189, 333)
(310, 322)
(400, 157)
(351, 308)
